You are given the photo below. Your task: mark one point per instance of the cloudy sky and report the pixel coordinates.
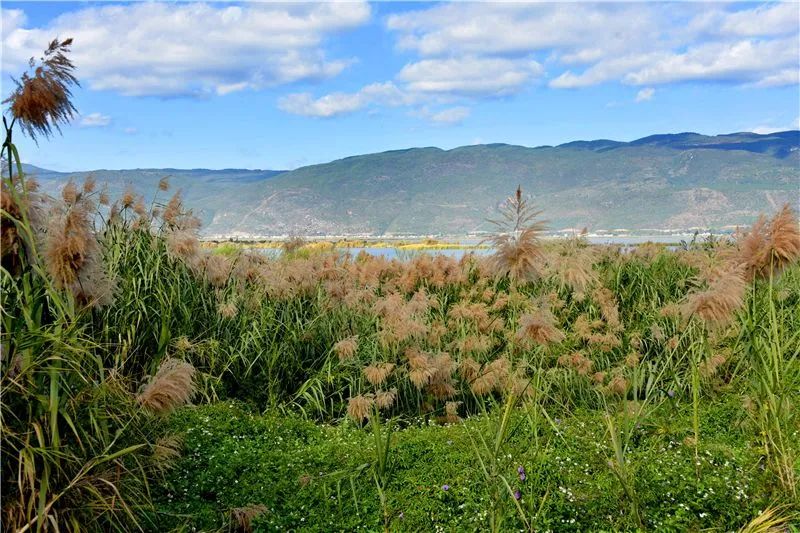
(265, 85)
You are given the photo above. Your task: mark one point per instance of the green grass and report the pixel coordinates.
(303, 472)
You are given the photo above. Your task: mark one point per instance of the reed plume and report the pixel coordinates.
(385, 399)
(346, 348)
(492, 377)
(359, 408)
(441, 382)
(709, 366)
(606, 341)
(243, 516)
(608, 306)
(421, 367)
(473, 344)
(618, 385)
(42, 101)
(771, 245)
(166, 451)
(70, 241)
(469, 369)
(227, 310)
(717, 305)
(539, 327)
(450, 413)
(518, 251)
(581, 363)
(377, 374)
(171, 387)
(575, 271)
(182, 244)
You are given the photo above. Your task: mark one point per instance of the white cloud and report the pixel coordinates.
(763, 130)
(601, 72)
(742, 61)
(453, 115)
(789, 76)
(447, 117)
(769, 19)
(470, 75)
(335, 104)
(513, 28)
(431, 81)
(178, 49)
(95, 120)
(635, 43)
(645, 94)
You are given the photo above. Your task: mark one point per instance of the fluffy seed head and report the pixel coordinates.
(346, 348)
(42, 102)
(385, 399)
(717, 305)
(518, 251)
(171, 387)
(244, 516)
(770, 246)
(539, 327)
(359, 408)
(377, 374)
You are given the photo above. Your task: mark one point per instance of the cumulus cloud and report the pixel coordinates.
(633, 43)
(470, 75)
(430, 81)
(341, 103)
(742, 61)
(95, 120)
(514, 28)
(190, 49)
(789, 76)
(645, 94)
(453, 115)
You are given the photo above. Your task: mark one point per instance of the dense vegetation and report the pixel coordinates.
(556, 387)
(151, 384)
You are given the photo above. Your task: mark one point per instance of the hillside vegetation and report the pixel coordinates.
(659, 182)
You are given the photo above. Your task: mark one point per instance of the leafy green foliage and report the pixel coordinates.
(302, 473)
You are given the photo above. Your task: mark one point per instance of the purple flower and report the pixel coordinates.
(671, 393)
(521, 472)
(558, 420)
(517, 495)
(445, 487)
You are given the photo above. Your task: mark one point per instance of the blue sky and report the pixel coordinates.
(277, 86)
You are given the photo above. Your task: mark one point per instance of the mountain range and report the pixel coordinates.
(661, 182)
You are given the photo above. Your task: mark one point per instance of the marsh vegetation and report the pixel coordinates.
(150, 383)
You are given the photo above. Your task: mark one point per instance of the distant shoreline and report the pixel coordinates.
(450, 242)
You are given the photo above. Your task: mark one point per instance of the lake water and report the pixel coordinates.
(628, 242)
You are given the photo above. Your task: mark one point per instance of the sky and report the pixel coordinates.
(278, 86)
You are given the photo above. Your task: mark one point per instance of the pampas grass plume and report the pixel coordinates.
(171, 387)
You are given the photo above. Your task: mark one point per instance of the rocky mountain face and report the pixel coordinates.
(674, 181)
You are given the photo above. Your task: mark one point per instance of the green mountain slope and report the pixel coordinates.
(660, 182)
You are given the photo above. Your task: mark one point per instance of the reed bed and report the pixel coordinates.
(114, 315)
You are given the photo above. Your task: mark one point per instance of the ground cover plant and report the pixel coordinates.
(151, 384)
